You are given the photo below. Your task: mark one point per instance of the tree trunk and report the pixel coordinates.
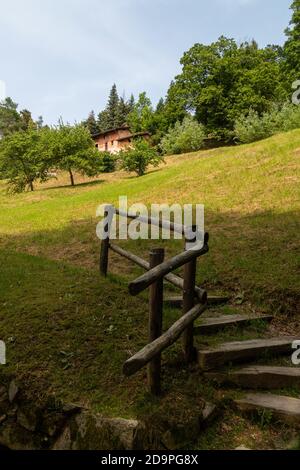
(71, 178)
(31, 186)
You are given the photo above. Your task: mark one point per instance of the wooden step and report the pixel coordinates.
(214, 324)
(176, 302)
(239, 351)
(267, 377)
(280, 407)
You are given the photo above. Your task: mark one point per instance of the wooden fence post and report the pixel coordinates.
(189, 283)
(155, 321)
(105, 243)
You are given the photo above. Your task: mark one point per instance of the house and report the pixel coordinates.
(115, 140)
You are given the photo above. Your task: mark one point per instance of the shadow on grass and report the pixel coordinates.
(78, 185)
(255, 254)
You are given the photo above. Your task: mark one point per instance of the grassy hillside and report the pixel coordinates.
(68, 332)
(252, 202)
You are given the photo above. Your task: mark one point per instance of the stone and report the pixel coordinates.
(27, 419)
(13, 391)
(64, 441)
(88, 431)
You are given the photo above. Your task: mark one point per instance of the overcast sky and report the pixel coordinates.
(60, 57)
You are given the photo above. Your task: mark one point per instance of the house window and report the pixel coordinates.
(97, 146)
(112, 142)
(106, 145)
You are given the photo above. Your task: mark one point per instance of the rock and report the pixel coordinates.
(88, 431)
(27, 419)
(70, 409)
(2, 419)
(64, 441)
(13, 391)
(209, 413)
(181, 430)
(3, 394)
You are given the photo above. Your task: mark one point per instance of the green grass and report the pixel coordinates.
(68, 331)
(252, 203)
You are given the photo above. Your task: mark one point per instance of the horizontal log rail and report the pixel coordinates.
(144, 281)
(178, 228)
(145, 355)
(173, 279)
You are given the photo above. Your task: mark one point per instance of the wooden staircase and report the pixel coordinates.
(220, 364)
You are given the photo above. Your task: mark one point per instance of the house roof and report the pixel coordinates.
(131, 136)
(99, 134)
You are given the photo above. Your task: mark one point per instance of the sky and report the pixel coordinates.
(61, 57)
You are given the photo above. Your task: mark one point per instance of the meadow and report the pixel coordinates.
(68, 331)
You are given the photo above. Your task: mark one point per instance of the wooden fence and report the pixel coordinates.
(158, 269)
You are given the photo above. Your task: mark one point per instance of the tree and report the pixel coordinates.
(10, 120)
(26, 121)
(222, 80)
(113, 108)
(73, 149)
(187, 136)
(24, 158)
(91, 123)
(103, 121)
(292, 46)
(139, 157)
(141, 118)
(124, 109)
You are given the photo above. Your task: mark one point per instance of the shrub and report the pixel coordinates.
(253, 127)
(184, 137)
(107, 162)
(139, 157)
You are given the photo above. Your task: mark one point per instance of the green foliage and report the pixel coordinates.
(221, 81)
(24, 158)
(116, 111)
(91, 123)
(73, 149)
(187, 136)
(108, 162)
(291, 64)
(10, 120)
(140, 118)
(252, 126)
(139, 157)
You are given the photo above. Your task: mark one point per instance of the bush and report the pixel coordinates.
(107, 162)
(139, 157)
(253, 127)
(184, 137)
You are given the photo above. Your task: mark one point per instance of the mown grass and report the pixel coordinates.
(252, 204)
(68, 331)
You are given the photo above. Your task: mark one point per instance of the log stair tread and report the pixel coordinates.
(242, 350)
(284, 408)
(176, 301)
(258, 377)
(214, 324)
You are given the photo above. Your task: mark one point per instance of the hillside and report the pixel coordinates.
(68, 331)
(251, 195)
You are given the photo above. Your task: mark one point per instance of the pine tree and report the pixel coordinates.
(113, 108)
(292, 45)
(102, 122)
(131, 103)
(123, 111)
(91, 123)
